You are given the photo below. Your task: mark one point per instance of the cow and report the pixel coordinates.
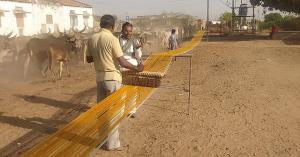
(5, 44)
(51, 49)
(143, 37)
(164, 38)
(37, 48)
(81, 44)
(59, 53)
(4, 55)
(18, 45)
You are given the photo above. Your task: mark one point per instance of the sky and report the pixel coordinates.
(133, 8)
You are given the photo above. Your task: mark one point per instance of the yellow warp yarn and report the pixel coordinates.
(90, 129)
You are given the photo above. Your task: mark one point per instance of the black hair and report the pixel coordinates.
(107, 21)
(173, 31)
(126, 24)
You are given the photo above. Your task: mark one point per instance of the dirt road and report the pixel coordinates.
(245, 102)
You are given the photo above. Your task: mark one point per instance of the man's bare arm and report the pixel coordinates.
(124, 63)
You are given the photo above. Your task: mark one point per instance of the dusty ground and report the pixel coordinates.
(31, 110)
(245, 102)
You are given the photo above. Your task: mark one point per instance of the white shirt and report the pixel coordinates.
(128, 54)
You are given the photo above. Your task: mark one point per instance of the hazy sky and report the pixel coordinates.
(134, 8)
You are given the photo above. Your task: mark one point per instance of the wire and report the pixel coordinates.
(227, 4)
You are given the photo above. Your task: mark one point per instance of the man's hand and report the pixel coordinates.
(139, 46)
(133, 55)
(89, 59)
(125, 64)
(140, 67)
(136, 55)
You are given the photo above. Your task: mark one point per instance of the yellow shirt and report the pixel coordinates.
(105, 48)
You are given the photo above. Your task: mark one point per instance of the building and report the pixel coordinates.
(29, 17)
(216, 22)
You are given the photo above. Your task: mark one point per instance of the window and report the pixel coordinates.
(21, 31)
(73, 19)
(49, 19)
(1, 14)
(20, 20)
(44, 28)
(86, 18)
(86, 21)
(19, 10)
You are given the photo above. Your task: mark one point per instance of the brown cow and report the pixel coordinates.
(37, 48)
(59, 53)
(52, 49)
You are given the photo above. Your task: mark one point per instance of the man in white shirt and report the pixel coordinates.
(131, 48)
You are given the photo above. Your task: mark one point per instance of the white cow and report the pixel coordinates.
(5, 55)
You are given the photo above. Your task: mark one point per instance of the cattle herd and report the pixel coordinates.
(51, 52)
(48, 50)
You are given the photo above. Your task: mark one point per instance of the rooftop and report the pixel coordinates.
(72, 3)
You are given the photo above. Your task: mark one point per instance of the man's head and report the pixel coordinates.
(173, 31)
(108, 22)
(127, 30)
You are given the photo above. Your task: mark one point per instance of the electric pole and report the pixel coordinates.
(207, 20)
(233, 16)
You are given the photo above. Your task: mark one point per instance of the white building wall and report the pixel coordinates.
(39, 15)
(9, 19)
(79, 12)
(36, 17)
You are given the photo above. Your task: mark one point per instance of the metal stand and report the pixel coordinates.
(189, 56)
(190, 77)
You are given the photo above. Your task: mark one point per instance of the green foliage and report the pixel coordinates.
(226, 17)
(288, 23)
(283, 5)
(272, 19)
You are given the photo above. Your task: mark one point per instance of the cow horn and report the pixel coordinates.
(71, 33)
(81, 31)
(72, 29)
(13, 36)
(60, 33)
(9, 34)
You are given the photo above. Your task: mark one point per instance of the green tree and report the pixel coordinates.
(226, 18)
(283, 5)
(290, 23)
(272, 19)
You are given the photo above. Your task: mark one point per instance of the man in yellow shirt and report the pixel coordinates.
(105, 51)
